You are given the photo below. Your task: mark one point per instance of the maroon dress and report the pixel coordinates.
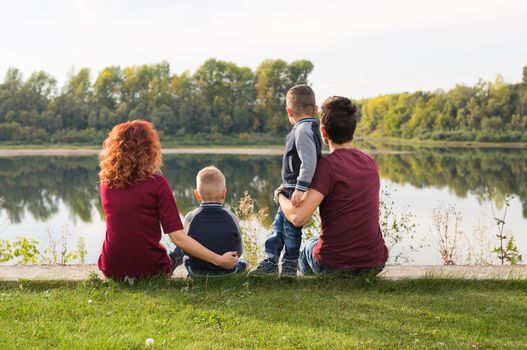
(134, 217)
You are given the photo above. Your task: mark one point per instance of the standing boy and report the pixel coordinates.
(302, 150)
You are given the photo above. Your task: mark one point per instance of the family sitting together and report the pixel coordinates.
(344, 185)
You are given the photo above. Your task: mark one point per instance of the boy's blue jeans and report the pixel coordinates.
(284, 235)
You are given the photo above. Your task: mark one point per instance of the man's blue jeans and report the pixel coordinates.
(308, 265)
(284, 235)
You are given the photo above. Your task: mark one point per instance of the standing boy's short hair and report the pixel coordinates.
(210, 183)
(339, 117)
(301, 98)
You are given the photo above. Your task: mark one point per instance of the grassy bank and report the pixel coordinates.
(266, 141)
(189, 140)
(360, 142)
(165, 145)
(440, 143)
(265, 313)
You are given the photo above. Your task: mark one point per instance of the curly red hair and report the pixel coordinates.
(131, 153)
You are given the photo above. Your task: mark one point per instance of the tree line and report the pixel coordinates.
(220, 98)
(222, 102)
(485, 112)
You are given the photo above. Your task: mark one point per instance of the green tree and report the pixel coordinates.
(74, 104)
(108, 86)
(228, 92)
(10, 95)
(273, 79)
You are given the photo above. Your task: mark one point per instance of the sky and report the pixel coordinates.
(359, 48)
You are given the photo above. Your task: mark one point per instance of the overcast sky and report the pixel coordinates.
(359, 48)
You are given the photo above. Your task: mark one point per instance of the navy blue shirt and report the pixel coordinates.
(217, 229)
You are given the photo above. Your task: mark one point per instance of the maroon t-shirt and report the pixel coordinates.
(351, 236)
(133, 216)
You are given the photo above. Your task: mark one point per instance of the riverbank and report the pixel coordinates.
(375, 141)
(183, 150)
(437, 143)
(263, 151)
(264, 313)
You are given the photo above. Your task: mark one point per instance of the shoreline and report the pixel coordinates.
(270, 150)
(436, 143)
(45, 152)
(251, 151)
(257, 148)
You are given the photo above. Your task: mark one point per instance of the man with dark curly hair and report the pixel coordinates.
(346, 188)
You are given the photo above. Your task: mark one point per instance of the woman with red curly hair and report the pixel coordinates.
(137, 200)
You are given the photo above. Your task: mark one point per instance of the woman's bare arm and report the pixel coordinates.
(194, 248)
(301, 215)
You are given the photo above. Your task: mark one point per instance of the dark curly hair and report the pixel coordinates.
(131, 153)
(339, 117)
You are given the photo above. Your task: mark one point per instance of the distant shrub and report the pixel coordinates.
(217, 139)
(17, 133)
(511, 136)
(85, 136)
(454, 135)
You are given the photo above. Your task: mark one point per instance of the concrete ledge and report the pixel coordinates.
(59, 272)
(469, 272)
(394, 272)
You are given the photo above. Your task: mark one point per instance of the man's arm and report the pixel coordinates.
(299, 216)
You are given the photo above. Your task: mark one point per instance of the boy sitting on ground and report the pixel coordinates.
(212, 225)
(302, 150)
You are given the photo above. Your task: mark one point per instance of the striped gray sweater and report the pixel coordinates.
(303, 148)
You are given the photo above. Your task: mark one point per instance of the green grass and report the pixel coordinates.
(241, 313)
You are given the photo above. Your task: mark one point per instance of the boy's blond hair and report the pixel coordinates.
(301, 99)
(210, 183)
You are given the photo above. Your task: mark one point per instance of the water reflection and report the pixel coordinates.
(462, 170)
(38, 184)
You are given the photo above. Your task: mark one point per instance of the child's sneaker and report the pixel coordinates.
(266, 267)
(289, 268)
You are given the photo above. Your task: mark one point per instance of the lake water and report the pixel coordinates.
(60, 194)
